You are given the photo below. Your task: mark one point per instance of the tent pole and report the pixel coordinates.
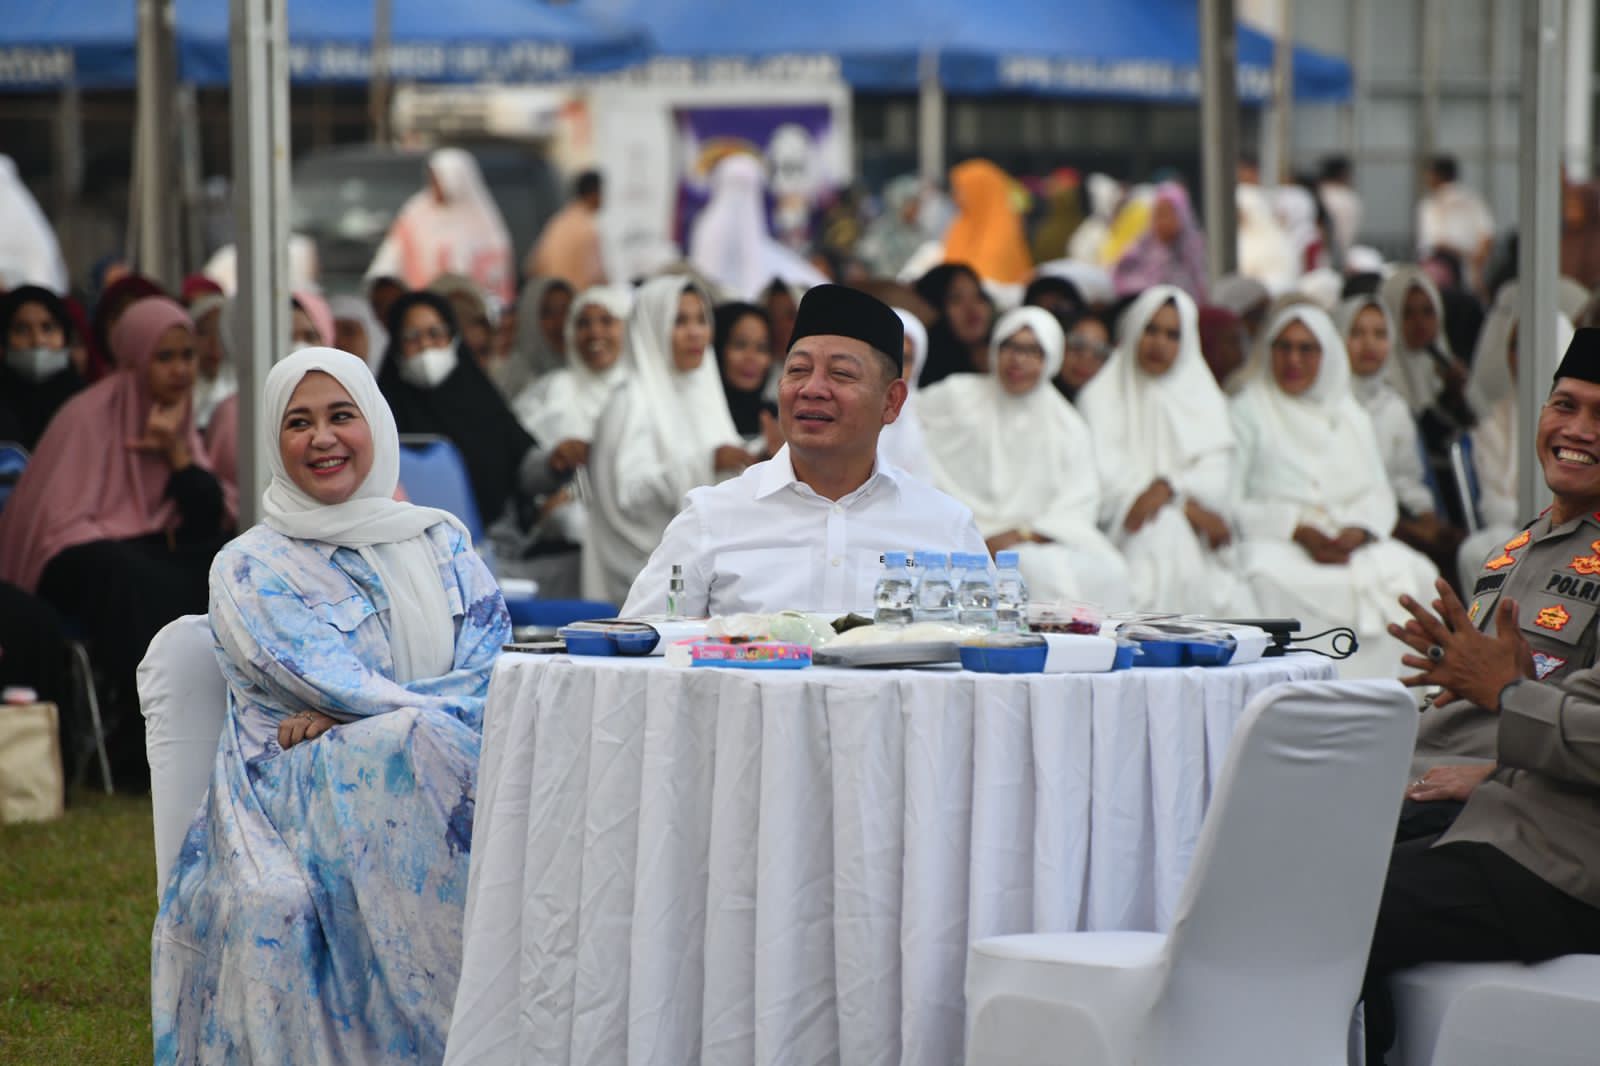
(930, 119)
(1539, 186)
(1580, 89)
(378, 92)
(259, 52)
(1219, 131)
(153, 243)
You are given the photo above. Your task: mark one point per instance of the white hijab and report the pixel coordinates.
(29, 252)
(1367, 389)
(683, 413)
(1413, 371)
(902, 441)
(388, 534)
(1319, 448)
(569, 400)
(1147, 428)
(359, 310)
(730, 243)
(980, 427)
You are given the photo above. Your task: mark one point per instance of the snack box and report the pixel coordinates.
(753, 655)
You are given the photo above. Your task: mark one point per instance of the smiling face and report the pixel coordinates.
(748, 355)
(598, 335)
(1296, 359)
(172, 366)
(1368, 342)
(691, 332)
(1160, 341)
(1419, 322)
(324, 439)
(835, 396)
(1021, 362)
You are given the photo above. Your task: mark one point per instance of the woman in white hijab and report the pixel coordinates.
(1314, 503)
(356, 635)
(730, 243)
(1009, 446)
(1166, 455)
(356, 330)
(215, 378)
(1266, 252)
(903, 442)
(665, 430)
(1422, 368)
(29, 252)
(1496, 446)
(543, 310)
(451, 227)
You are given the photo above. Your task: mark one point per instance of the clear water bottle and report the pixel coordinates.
(1011, 595)
(936, 596)
(975, 596)
(893, 596)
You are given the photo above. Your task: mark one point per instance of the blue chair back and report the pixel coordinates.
(13, 461)
(434, 475)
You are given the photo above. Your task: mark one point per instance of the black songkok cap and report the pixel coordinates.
(840, 311)
(1582, 360)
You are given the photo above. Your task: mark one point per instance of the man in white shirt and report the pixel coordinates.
(806, 529)
(1454, 218)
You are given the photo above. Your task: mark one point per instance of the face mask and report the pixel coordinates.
(428, 367)
(36, 364)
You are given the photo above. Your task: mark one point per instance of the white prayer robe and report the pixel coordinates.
(765, 542)
(1028, 461)
(1175, 428)
(1313, 460)
(655, 440)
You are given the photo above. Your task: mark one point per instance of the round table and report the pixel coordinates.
(743, 867)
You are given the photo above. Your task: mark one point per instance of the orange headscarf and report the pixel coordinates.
(987, 234)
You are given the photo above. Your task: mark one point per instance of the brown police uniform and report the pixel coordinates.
(1554, 575)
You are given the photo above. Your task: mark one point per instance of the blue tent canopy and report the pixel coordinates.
(1132, 49)
(51, 43)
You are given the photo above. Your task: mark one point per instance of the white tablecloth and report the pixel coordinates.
(734, 867)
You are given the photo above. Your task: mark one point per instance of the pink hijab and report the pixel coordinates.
(317, 309)
(84, 484)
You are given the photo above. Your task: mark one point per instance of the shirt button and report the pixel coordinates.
(838, 509)
(837, 561)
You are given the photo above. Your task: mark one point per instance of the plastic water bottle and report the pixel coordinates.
(936, 596)
(975, 596)
(893, 595)
(1011, 595)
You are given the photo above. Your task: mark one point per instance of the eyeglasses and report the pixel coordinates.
(426, 333)
(1021, 350)
(1094, 348)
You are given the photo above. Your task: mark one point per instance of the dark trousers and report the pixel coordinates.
(1464, 902)
(121, 592)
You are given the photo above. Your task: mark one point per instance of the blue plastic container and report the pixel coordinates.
(635, 643)
(1026, 660)
(1161, 653)
(587, 642)
(1203, 653)
(1127, 655)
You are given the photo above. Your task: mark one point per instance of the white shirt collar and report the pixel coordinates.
(778, 473)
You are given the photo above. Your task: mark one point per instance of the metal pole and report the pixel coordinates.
(930, 119)
(259, 43)
(378, 94)
(1538, 190)
(1283, 98)
(153, 242)
(1219, 131)
(1579, 33)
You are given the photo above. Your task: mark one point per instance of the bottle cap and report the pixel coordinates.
(927, 558)
(894, 560)
(1005, 559)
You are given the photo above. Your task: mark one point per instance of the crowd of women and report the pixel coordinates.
(1143, 436)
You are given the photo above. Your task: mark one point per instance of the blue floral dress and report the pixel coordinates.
(314, 914)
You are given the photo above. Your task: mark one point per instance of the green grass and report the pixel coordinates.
(77, 899)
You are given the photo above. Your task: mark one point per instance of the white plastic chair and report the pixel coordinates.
(185, 702)
(1266, 955)
(1490, 1014)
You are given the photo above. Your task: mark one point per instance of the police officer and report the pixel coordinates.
(1517, 875)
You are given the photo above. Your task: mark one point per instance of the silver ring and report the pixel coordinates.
(1435, 652)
